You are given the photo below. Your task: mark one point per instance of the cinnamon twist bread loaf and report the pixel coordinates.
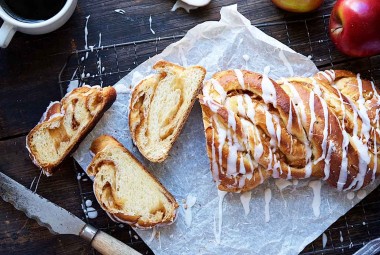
(326, 126)
(66, 123)
(125, 189)
(160, 105)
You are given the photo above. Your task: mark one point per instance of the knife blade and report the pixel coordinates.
(57, 219)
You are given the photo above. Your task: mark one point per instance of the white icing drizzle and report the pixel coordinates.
(91, 213)
(218, 230)
(270, 128)
(246, 57)
(245, 198)
(150, 25)
(312, 115)
(341, 237)
(361, 146)
(259, 149)
(326, 169)
(298, 102)
(324, 240)
(190, 202)
(240, 78)
(343, 167)
(241, 108)
(241, 166)
(85, 35)
(375, 153)
(286, 62)
(325, 130)
(231, 159)
(316, 205)
(88, 203)
(350, 195)
(327, 76)
(290, 120)
(361, 194)
(331, 74)
(268, 197)
(316, 87)
(121, 11)
(269, 94)
(219, 89)
(278, 128)
(250, 108)
(214, 165)
(289, 175)
(222, 134)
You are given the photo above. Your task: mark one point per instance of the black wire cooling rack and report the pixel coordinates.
(108, 64)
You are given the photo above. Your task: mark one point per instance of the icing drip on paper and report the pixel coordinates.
(361, 194)
(245, 198)
(218, 227)
(268, 197)
(350, 195)
(316, 205)
(190, 202)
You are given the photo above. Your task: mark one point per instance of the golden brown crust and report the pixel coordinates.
(294, 128)
(97, 100)
(106, 197)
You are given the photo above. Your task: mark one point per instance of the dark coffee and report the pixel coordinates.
(32, 10)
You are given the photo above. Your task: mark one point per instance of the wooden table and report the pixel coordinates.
(29, 70)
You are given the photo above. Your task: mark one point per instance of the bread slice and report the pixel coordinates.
(65, 124)
(125, 189)
(160, 105)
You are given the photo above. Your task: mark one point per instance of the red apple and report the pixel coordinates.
(355, 27)
(298, 5)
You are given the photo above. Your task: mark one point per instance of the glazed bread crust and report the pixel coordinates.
(326, 126)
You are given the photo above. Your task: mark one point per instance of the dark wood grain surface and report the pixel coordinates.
(29, 70)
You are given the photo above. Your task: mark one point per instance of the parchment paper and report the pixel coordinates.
(229, 43)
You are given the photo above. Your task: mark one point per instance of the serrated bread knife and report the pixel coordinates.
(57, 219)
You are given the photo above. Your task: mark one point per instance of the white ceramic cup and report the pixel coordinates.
(11, 25)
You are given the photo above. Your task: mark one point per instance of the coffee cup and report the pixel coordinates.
(16, 18)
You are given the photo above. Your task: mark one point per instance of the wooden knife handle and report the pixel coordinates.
(107, 245)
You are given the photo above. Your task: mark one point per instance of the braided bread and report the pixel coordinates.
(65, 123)
(326, 126)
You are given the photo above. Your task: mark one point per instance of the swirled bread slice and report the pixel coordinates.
(160, 105)
(125, 189)
(66, 123)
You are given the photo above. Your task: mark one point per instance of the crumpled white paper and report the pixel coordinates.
(229, 43)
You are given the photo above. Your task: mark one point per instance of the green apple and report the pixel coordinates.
(299, 6)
